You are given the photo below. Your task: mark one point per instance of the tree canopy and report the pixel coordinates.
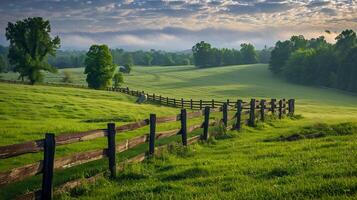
(2, 64)
(30, 43)
(204, 55)
(99, 67)
(316, 62)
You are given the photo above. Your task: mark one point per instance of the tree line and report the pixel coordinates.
(317, 62)
(75, 58)
(204, 55)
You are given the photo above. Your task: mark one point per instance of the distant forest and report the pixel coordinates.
(75, 58)
(204, 55)
(317, 62)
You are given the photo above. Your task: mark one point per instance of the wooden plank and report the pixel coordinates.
(20, 173)
(130, 143)
(169, 133)
(168, 119)
(22, 148)
(194, 114)
(193, 139)
(132, 126)
(79, 158)
(194, 127)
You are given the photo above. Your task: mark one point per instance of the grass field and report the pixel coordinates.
(256, 163)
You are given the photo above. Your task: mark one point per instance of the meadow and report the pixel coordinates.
(255, 163)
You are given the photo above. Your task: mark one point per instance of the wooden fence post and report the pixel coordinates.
(206, 123)
(201, 104)
(213, 103)
(167, 100)
(291, 104)
(111, 150)
(127, 90)
(272, 105)
(181, 102)
(284, 106)
(174, 102)
(239, 114)
(228, 102)
(152, 134)
(184, 126)
(160, 99)
(225, 114)
(191, 106)
(48, 163)
(280, 108)
(262, 109)
(153, 97)
(252, 113)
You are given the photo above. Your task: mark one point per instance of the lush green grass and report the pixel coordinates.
(257, 163)
(233, 82)
(243, 167)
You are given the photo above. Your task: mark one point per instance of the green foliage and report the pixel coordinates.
(118, 79)
(206, 56)
(249, 56)
(280, 55)
(30, 43)
(99, 67)
(2, 64)
(316, 62)
(152, 57)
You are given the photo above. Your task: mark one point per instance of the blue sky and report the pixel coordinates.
(178, 24)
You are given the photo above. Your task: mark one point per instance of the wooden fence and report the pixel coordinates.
(273, 105)
(256, 110)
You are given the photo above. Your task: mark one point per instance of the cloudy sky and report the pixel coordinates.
(178, 24)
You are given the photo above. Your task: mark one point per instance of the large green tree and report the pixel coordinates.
(99, 67)
(345, 41)
(201, 54)
(30, 43)
(249, 55)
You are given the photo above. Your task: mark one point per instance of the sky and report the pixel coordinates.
(175, 25)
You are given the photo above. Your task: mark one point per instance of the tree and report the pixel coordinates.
(148, 58)
(347, 72)
(249, 55)
(344, 42)
(298, 42)
(99, 67)
(30, 43)
(118, 79)
(2, 65)
(299, 68)
(201, 52)
(279, 55)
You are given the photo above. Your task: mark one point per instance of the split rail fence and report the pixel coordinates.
(281, 106)
(255, 110)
